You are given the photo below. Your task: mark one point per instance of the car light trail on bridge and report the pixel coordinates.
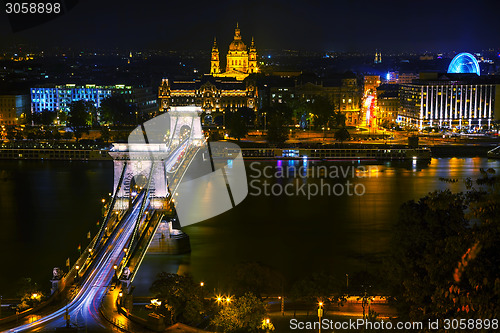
(86, 303)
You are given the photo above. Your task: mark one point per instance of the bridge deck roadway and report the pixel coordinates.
(84, 307)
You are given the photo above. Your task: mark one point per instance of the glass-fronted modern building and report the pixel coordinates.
(463, 101)
(59, 97)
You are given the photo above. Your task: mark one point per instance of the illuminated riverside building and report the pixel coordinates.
(240, 61)
(59, 97)
(450, 100)
(12, 107)
(388, 104)
(214, 95)
(342, 90)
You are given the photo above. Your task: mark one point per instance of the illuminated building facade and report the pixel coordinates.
(213, 95)
(59, 97)
(12, 107)
(451, 101)
(403, 77)
(371, 82)
(388, 104)
(343, 92)
(240, 61)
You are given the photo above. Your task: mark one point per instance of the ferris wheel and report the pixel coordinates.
(464, 63)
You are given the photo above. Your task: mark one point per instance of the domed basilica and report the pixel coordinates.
(240, 61)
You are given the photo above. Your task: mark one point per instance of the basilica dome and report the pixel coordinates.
(237, 45)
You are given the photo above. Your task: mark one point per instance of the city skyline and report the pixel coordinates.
(246, 166)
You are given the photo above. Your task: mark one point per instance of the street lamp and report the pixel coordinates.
(156, 303)
(103, 206)
(320, 314)
(282, 304)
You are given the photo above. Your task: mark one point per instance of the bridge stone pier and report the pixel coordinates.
(186, 118)
(136, 169)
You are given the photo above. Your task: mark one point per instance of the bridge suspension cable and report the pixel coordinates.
(111, 205)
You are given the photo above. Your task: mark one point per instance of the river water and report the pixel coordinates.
(47, 208)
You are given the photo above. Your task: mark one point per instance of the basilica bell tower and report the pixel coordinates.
(215, 62)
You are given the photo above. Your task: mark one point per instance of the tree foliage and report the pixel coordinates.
(446, 254)
(115, 110)
(316, 287)
(323, 112)
(44, 117)
(80, 117)
(29, 292)
(278, 118)
(245, 314)
(180, 297)
(237, 122)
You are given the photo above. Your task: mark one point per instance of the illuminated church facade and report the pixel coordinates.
(217, 92)
(240, 61)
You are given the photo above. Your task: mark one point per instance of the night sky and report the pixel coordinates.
(436, 25)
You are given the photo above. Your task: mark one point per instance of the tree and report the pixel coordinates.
(237, 124)
(300, 110)
(29, 292)
(317, 287)
(339, 119)
(323, 112)
(63, 117)
(180, 297)
(445, 260)
(115, 110)
(45, 117)
(105, 134)
(246, 313)
(278, 119)
(79, 119)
